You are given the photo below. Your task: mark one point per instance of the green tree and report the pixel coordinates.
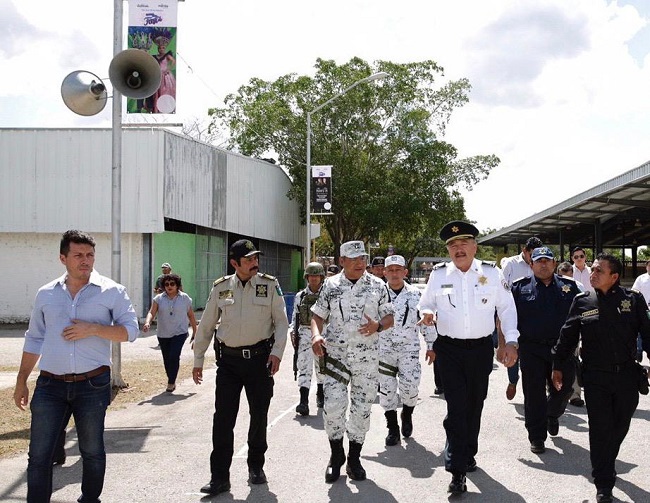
(393, 173)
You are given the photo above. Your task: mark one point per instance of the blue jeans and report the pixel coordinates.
(171, 348)
(52, 404)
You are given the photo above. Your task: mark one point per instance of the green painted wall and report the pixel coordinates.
(297, 281)
(180, 251)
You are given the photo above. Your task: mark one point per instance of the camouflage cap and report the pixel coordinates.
(353, 249)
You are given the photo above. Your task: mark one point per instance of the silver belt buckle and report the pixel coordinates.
(246, 353)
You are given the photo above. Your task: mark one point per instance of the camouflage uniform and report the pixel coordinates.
(399, 352)
(352, 359)
(302, 317)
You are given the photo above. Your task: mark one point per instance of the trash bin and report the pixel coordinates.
(288, 300)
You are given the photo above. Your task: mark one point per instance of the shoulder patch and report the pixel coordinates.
(490, 263)
(267, 276)
(439, 265)
(220, 280)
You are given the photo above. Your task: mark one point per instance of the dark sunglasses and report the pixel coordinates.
(578, 256)
(170, 283)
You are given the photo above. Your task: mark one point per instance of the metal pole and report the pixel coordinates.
(116, 190)
(307, 190)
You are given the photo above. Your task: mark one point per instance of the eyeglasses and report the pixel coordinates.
(170, 283)
(578, 256)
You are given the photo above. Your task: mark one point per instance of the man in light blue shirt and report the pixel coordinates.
(74, 320)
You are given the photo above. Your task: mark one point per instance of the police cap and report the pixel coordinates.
(243, 248)
(378, 261)
(457, 230)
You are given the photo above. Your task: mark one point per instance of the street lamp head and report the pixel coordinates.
(376, 76)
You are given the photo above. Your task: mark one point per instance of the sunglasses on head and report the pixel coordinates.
(170, 283)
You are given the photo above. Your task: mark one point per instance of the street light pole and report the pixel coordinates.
(374, 76)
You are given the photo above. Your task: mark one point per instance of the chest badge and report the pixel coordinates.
(626, 306)
(566, 288)
(226, 294)
(482, 280)
(261, 291)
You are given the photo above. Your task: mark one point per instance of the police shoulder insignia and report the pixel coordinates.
(220, 280)
(278, 290)
(634, 290)
(582, 294)
(591, 312)
(489, 263)
(439, 265)
(267, 276)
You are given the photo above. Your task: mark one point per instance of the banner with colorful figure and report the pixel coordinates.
(152, 28)
(321, 190)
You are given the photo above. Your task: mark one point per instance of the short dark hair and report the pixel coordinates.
(578, 248)
(532, 243)
(615, 264)
(171, 277)
(74, 236)
(564, 267)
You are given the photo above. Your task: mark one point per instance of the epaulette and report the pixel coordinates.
(491, 263)
(582, 294)
(267, 276)
(221, 280)
(439, 265)
(634, 290)
(523, 278)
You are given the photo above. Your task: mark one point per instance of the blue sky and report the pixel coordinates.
(560, 87)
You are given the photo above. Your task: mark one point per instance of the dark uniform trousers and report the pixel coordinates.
(465, 367)
(612, 398)
(233, 374)
(536, 368)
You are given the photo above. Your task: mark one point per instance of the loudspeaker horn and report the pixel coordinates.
(135, 73)
(84, 93)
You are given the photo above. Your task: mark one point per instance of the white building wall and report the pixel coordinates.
(31, 260)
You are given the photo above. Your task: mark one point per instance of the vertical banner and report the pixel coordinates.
(321, 190)
(152, 28)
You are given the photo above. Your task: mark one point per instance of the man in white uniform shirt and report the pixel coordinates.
(642, 284)
(460, 299)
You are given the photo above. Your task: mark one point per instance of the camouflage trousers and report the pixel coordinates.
(399, 369)
(353, 366)
(306, 362)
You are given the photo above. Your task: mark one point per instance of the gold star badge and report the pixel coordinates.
(626, 306)
(566, 288)
(249, 245)
(482, 280)
(454, 229)
(261, 291)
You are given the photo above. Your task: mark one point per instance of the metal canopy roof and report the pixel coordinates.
(613, 214)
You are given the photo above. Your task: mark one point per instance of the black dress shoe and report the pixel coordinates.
(216, 487)
(537, 447)
(256, 476)
(458, 484)
(604, 496)
(577, 402)
(471, 465)
(58, 461)
(552, 426)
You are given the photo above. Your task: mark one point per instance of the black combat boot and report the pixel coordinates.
(458, 484)
(320, 396)
(393, 428)
(354, 469)
(407, 420)
(337, 459)
(303, 407)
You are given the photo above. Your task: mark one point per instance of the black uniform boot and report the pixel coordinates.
(393, 428)
(320, 396)
(337, 459)
(303, 407)
(407, 420)
(354, 469)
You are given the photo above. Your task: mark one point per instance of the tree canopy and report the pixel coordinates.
(393, 174)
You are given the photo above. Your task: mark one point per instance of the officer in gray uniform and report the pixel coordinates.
(300, 330)
(399, 352)
(356, 306)
(250, 340)
(460, 299)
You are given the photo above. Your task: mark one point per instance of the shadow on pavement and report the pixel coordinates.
(165, 398)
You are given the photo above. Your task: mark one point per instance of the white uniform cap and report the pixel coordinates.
(395, 260)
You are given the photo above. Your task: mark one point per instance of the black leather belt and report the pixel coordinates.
(76, 377)
(465, 343)
(247, 352)
(615, 367)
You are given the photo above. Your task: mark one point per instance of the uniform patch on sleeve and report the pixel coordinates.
(505, 285)
(261, 291)
(278, 290)
(586, 314)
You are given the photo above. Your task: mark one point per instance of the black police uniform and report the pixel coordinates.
(541, 312)
(608, 325)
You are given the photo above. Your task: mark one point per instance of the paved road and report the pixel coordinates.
(158, 450)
